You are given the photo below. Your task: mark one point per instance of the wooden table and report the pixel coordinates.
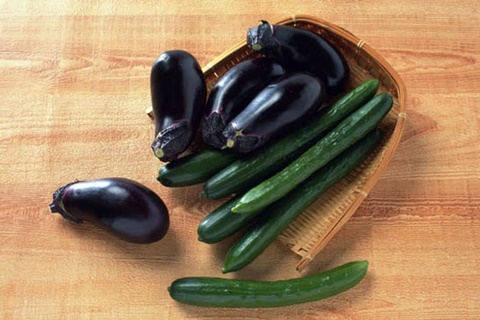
(74, 79)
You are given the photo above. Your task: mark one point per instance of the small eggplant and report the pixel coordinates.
(178, 92)
(233, 91)
(278, 107)
(122, 207)
(302, 51)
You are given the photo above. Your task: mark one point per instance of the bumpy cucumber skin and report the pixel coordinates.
(248, 172)
(275, 218)
(350, 130)
(234, 293)
(194, 168)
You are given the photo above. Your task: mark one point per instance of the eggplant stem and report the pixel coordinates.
(158, 152)
(257, 47)
(230, 143)
(56, 206)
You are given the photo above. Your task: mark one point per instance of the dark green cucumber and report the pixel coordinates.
(276, 218)
(222, 222)
(248, 172)
(194, 168)
(235, 293)
(350, 130)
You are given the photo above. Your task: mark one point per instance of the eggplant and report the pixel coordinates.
(276, 109)
(178, 92)
(233, 91)
(302, 51)
(122, 207)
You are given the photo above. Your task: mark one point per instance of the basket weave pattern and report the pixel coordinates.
(311, 231)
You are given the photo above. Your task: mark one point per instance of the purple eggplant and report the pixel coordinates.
(178, 92)
(122, 207)
(277, 108)
(302, 51)
(233, 91)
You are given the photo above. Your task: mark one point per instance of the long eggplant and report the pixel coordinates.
(124, 208)
(233, 91)
(179, 93)
(278, 107)
(301, 51)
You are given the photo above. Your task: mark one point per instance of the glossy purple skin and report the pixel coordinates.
(276, 109)
(233, 91)
(122, 207)
(179, 92)
(302, 51)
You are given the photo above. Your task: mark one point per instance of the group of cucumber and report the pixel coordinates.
(275, 185)
(272, 147)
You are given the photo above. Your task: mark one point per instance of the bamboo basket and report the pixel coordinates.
(315, 227)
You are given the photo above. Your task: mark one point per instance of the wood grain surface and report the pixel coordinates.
(74, 80)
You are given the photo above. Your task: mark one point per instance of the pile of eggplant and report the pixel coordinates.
(257, 100)
(254, 102)
(278, 130)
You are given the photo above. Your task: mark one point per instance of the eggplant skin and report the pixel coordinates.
(302, 51)
(233, 91)
(122, 207)
(279, 107)
(179, 92)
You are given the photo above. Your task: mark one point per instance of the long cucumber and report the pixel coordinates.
(276, 218)
(248, 172)
(350, 130)
(222, 222)
(194, 168)
(235, 293)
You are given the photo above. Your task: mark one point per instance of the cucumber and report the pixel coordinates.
(275, 218)
(249, 171)
(194, 168)
(235, 293)
(350, 130)
(222, 222)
